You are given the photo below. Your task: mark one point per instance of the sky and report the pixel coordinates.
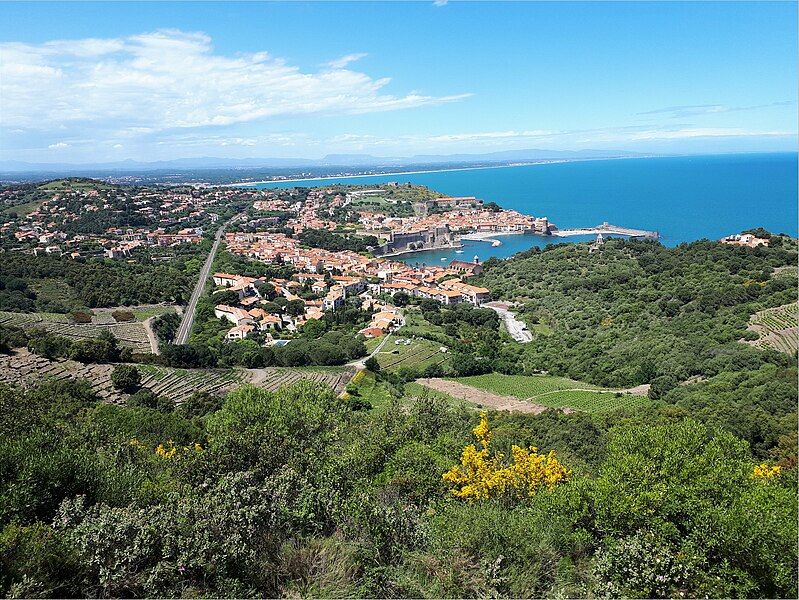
(101, 82)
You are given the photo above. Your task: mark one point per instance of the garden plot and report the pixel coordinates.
(777, 327)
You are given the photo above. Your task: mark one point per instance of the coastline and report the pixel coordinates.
(422, 171)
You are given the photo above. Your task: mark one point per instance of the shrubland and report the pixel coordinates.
(293, 493)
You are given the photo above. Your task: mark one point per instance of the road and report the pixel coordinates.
(517, 330)
(360, 363)
(187, 323)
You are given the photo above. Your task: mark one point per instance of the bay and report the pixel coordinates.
(684, 198)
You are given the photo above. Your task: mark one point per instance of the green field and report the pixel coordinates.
(590, 401)
(555, 392)
(372, 344)
(369, 389)
(419, 354)
(523, 386)
(416, 324)
(24, 208)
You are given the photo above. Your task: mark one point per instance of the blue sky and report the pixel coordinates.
(111, 81)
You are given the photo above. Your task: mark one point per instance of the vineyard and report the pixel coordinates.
(272, 378)
(131, 335)
(556, 392)
(418, 354)
(524, 386)
(26, 369)
(778, 328)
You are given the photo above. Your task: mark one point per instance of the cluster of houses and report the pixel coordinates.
(250, 316)
(174, 217)
(472, 220)
(331, 290)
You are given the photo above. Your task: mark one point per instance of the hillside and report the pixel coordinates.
(637, 311)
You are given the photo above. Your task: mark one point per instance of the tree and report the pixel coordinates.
(295, 308)
(401, 299)
(225, 297)
(372, 364)
(126, 378)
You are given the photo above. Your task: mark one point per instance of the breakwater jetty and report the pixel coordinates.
(605, 229)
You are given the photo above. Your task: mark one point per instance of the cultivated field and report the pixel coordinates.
(535, 392)
(26, 370)
(777, 328)
(419, 354)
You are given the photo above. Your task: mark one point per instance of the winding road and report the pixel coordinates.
(182, 335)
(517, 330)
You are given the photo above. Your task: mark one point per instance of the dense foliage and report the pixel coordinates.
(321, 238)
(637, 311)
(292, 494)
(92, 283)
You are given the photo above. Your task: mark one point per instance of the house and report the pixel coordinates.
(237, 316)
(469, 268)
(334, 299)
(745, 239)
(225, 279)
(371, 332)
(471, 293)
(270, 322)
(239, 332)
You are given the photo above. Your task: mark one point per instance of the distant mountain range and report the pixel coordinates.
(331, 160)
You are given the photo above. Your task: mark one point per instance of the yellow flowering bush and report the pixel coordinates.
(482, 475)
(167, 450)
(763, 471)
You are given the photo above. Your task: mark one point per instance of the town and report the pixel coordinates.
(323, 280)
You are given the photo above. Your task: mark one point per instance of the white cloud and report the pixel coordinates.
(692, 110)
(173, 79)
(59, 146)
(698, 132)
(440, 2)
(343, 61)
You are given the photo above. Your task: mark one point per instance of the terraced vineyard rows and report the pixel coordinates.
(26, 369)
(272, 378)
(131, 335)
(777, 327)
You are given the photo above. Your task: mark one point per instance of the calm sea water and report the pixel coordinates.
(684, 198)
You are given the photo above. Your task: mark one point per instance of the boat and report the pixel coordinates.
(443, 258)
(458, 251)
(496, 243)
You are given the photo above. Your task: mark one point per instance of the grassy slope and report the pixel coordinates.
(555, 392)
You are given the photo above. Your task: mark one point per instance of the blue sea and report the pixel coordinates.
(684, 198)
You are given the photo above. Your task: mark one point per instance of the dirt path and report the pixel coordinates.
(148, 327)
(498, 402)
(489, 399)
